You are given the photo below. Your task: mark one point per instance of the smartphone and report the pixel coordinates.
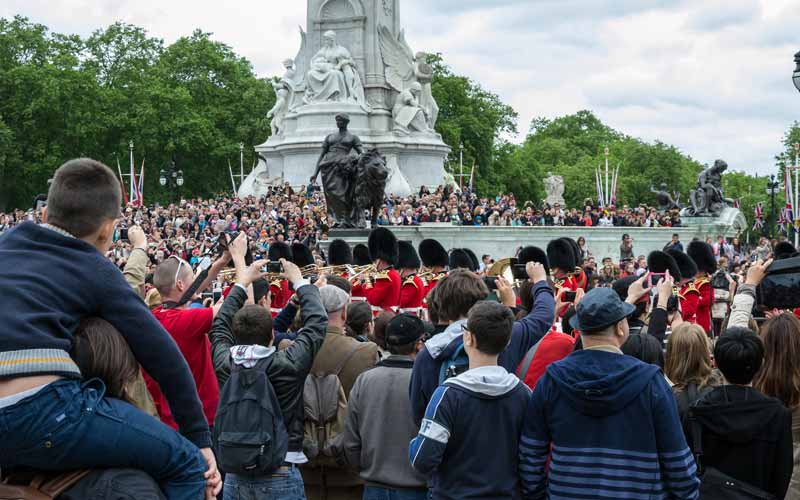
(519, 272)
(656, 277)
(490, 282)
(568, 297)
(217, 294)
(272, 267)
(123, 234)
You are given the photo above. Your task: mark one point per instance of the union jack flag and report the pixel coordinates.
(759, 216)
(789, 210)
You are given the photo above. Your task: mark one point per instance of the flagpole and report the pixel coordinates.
(241, 163)
(133, 171)
(606, 195)
(796, 213)
(233, 182)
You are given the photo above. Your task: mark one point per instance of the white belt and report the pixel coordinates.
(276, 310)
(358, 299)
(377, 309)
(411, 310)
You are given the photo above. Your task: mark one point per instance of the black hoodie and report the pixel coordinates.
(746, 435)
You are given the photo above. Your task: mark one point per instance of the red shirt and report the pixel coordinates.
(385, 293)
(704, 303)
(412, 293)
(189, 328)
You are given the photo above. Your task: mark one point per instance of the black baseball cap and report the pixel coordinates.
(598, 309)
(404, 329)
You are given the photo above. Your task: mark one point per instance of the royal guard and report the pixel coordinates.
(340, 255)
(579, 275)
(412, 291)
(434, 258)
(302, 257)
(278, 287)
(561, 257)
(360, 258)
(688, 293)
(383, 289)
(533, 254)
(659, 263)
(460, 259)
(703, 255)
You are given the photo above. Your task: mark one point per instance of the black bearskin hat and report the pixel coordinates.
(279, 250)
(621, 286)
(460, 259)
(432, 253)
(339, 253)
(302, 255)
(561, 256)
(407, 256)
(576, 250)
(533, 254)
(703, 255)
(382, 245)
(784, 250)
(660, 262)
(687, 266)
(361, 255)
(476, 264)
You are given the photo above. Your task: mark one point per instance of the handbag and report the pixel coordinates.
(715, 484)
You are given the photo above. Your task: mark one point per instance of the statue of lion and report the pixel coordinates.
(369, 186)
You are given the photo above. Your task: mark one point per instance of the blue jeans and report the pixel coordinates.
(375, 493)
(69, 425)
(278, 486)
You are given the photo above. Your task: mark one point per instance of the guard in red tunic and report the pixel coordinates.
(562, 261)
(579, 275)
(687, 292)
(703, 255)
(412, 291)
(279, 288)
(434, 258)
(383, 290)
(360, 258)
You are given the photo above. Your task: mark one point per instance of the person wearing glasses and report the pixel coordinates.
(189, 327)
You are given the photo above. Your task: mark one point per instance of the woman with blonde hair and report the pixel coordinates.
(688, 365)
(779, 378)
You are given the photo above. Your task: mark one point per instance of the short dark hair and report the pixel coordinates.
(339, 282)
(252, 325)
(84, 194)
(359, 315)
(739, 354)
(490, 323)
(456, 296)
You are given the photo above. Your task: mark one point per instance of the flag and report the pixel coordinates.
(614, 188)
(140, 186)
(782, 222)
(736, 203)
(134, 190)
(598, 187)
(787, 187)
(759, 216)
(472, 176)
(122, 184)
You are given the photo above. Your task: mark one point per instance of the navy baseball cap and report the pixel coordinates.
(404, 329)
(599, 309)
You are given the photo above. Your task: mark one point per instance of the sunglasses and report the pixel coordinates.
(181, 262)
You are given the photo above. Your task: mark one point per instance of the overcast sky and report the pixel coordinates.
(712, 77)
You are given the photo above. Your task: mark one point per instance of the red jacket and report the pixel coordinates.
(412, 292)
(689, 297)
(384, 293)
(431, 283)
(280, 295)
(706, 300)
(553, 347)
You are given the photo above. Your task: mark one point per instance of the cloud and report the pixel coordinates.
(712, 77)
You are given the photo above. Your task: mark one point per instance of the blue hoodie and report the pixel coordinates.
(524, 334)
(614, 429)
(468, 443)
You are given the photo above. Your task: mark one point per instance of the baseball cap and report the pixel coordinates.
(598, 309)
(404, 329)
(333, 298)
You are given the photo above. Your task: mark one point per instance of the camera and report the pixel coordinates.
(272, 267)
(781, 287)
(656, 277)
(568, 297)
(490, 282)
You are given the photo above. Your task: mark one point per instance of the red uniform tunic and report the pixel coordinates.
(357, 291)
(689, 297)
(412, 294)
(384, 293)
(431, 282)
(568, 283)
(580, 279)
(279, 289)
(706, 300)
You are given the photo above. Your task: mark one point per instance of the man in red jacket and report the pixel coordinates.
(434, 257)
(703, 256)
(688, 293)
(412, 291)
(279, 288)
(383, 290)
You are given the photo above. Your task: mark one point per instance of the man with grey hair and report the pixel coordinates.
(350, 358)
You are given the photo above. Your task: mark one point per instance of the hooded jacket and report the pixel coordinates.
(613, 426)
(746, 435)
(477, 413)
(524, 334)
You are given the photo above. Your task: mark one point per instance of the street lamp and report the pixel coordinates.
(172, 176)
(773, 188)
(796, 74)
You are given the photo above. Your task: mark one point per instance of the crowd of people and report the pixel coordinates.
(155, 348)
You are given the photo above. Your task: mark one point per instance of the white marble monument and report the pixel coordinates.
(554, 187)
(353, 59)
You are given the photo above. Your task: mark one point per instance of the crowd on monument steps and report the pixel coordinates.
(231, 349)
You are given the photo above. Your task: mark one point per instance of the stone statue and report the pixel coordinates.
(554, 187)
(409, 115)
(707, 199)
(278, 112)
(664, 199)
(346, 173)
(333, 75)
(408, 74)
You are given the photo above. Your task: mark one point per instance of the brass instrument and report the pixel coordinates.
(309, 271)
(503, 268)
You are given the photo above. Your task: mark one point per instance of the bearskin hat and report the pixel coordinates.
(687, 266)
(660, 262)
(339, 253)
(432, 253)
(784, 250)
(302, 255)
(407, 256)
(560, 255)
(279, 250)
(621, 286)
(533, 254)
(361, 255)
(703, 255)
(476, 264)
(459, 259)
(382, 245)
(576, 250)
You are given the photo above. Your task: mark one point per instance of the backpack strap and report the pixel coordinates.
(522, 371)
(697, 441)
(347, 358)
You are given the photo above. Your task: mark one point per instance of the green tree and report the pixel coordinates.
(788, 155)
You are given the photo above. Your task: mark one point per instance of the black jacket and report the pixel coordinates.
(289, 369)
(746, 435)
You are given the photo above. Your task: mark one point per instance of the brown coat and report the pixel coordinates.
(336, 348)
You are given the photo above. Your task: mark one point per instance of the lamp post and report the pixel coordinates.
(773, 187)
(796, 80)
(172, 177)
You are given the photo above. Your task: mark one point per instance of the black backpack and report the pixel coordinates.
(249, 434)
